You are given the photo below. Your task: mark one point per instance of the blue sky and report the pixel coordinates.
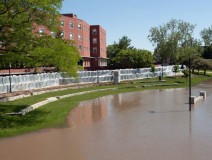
(134, 18)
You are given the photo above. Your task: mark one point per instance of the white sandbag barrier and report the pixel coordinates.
(42, 80)
(28, 82)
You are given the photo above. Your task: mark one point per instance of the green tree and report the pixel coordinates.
(191, 50)
(201, 63)
(123, 55)
(133, 58)
(196, 64)
(124, 43)
(60, 55)
(205, 64)
(143, 58)
(153, 70)
(186, 73)
(22, 45)
(170, 39)
(175, 69)
(206, 35)
(18, 19)
(207, 53)
(124, 59)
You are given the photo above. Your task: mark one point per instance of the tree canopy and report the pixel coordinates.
(174, 42)
(123, 55)
(206, 35)
(21, 45)
(207, 53)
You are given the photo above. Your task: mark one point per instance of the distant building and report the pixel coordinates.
(90, 39)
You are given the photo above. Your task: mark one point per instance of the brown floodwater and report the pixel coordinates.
(147, 125)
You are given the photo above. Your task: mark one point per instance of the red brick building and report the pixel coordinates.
(90, 39)
(98, 46)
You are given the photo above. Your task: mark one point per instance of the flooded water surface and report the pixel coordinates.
(148, 125)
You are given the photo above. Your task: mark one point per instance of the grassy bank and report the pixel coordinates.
(54, 114)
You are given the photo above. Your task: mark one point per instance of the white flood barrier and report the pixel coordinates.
(117, 77)
(195, 99)
(42, 80)
(28, 82)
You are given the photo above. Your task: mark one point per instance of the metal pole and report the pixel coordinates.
(10, 79)
(189, 84)
(162, 70)
(97, 76)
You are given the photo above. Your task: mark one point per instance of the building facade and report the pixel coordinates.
(90, 39)
(98, 46)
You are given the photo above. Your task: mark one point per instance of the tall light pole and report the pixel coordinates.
(162, 70)
(97, 73)
(189, 84)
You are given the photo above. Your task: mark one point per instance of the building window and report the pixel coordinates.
(95, 40)
(71, 36)
(80, 47)
(61, 23)
(71, 25)
(94, 31)
(79, 37)
(79, 26)
(52, 34)
(62, 34)
(94, 50)
(41, 31)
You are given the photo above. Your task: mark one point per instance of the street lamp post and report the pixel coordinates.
(97, 72)
(189, 84)
(162, 70)
(10, 89)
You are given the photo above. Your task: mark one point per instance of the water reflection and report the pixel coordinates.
(88, 112)
(95, 110)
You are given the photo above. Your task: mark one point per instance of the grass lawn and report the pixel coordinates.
(54, 114)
